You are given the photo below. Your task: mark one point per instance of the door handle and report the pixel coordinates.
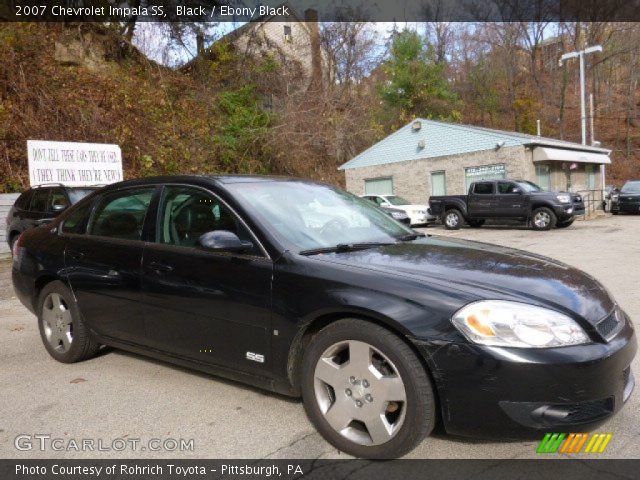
(160, 267)
(42, 221)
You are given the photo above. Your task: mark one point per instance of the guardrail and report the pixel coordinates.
(592, 201)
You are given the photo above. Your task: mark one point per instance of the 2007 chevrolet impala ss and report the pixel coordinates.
(304, 289)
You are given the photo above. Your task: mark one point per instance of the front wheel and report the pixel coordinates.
(543, 219)
(453, 219)
(365, 390)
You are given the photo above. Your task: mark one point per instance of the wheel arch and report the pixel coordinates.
(307, 332)
(40, 283)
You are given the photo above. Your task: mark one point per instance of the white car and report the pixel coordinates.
(419, 214)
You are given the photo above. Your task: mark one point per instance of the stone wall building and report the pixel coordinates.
(427, 157)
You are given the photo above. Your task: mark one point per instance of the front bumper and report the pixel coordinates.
(500, 392)
(626, 207)
(568, 210)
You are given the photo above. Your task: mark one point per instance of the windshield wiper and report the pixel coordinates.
(345, 247)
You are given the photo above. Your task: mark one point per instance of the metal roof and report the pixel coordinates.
(443, 139)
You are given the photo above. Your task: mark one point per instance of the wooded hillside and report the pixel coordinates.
(234, 113)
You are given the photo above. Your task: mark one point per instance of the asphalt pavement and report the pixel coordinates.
(121, 399)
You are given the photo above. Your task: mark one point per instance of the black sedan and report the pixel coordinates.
(627, 199)
(381, 330)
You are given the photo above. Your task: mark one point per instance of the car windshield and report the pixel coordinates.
(631, 187)
(528, 186)
(77, 194)
(394, 200)
(314, 216)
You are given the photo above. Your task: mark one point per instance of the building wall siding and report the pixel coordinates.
(412, 179)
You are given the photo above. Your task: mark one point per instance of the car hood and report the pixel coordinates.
(623, 194)
(488, 272)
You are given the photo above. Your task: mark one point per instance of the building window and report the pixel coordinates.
(543, 177)
(591, 177)
(287, 33)
(486, 172)
(438, 184)
(378, 186)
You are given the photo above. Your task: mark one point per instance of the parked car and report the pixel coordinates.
(381, 330)
(627, 200)
(507, 200)
(39, 205)
(397, 214)
(419, 214)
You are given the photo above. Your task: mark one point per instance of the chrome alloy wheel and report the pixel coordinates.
(541, 219)
(360, 392)
(452, 219)
(57, 322)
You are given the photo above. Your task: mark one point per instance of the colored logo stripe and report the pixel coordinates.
(574, 442)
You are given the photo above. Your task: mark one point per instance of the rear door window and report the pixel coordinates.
(39, 200)
(121, 215)
(78, 219)
(483, 188)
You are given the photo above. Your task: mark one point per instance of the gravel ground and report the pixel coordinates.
(122, 396)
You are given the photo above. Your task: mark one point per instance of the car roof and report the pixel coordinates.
(206, 180)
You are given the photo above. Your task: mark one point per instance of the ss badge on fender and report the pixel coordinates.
(256, 357)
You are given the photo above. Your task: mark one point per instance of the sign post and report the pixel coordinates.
(73, 164)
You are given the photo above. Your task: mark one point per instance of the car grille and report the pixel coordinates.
(611, 325)
(589, 411)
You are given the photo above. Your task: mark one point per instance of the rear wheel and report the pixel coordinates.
(565, 224)
(453, 219)
(543, 219)
(63, 333)
(366, 391)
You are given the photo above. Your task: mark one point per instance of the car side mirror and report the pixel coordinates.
(58, 207)
(223, 241)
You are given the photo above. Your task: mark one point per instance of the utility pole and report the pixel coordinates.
(583, 108)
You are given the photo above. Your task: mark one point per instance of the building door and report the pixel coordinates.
(543, 177)
(438, 184)
(591, 177)
(378, 186)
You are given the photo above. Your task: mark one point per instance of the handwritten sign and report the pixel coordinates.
(73, 164)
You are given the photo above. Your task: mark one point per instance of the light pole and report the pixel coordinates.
(583, 109)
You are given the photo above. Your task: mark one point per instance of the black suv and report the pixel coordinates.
(627, 199)
(40, 205)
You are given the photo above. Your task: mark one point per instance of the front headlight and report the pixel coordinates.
(564, 198)
(615, 197)
(511, 324)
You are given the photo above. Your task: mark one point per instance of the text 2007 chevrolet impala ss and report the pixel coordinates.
(303, 289)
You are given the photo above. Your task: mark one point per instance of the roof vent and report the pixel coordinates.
(422, 144)
(417, 125)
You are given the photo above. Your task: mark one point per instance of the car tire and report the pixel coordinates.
(476, 223)
(12, 240)
(565, 224)
(370, 419)
(453, 219)
(614, 213)
(543, 219)
(62, 330)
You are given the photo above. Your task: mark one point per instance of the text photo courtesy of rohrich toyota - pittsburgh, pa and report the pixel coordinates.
(319, 239)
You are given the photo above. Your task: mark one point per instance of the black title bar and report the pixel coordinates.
(327, 10)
